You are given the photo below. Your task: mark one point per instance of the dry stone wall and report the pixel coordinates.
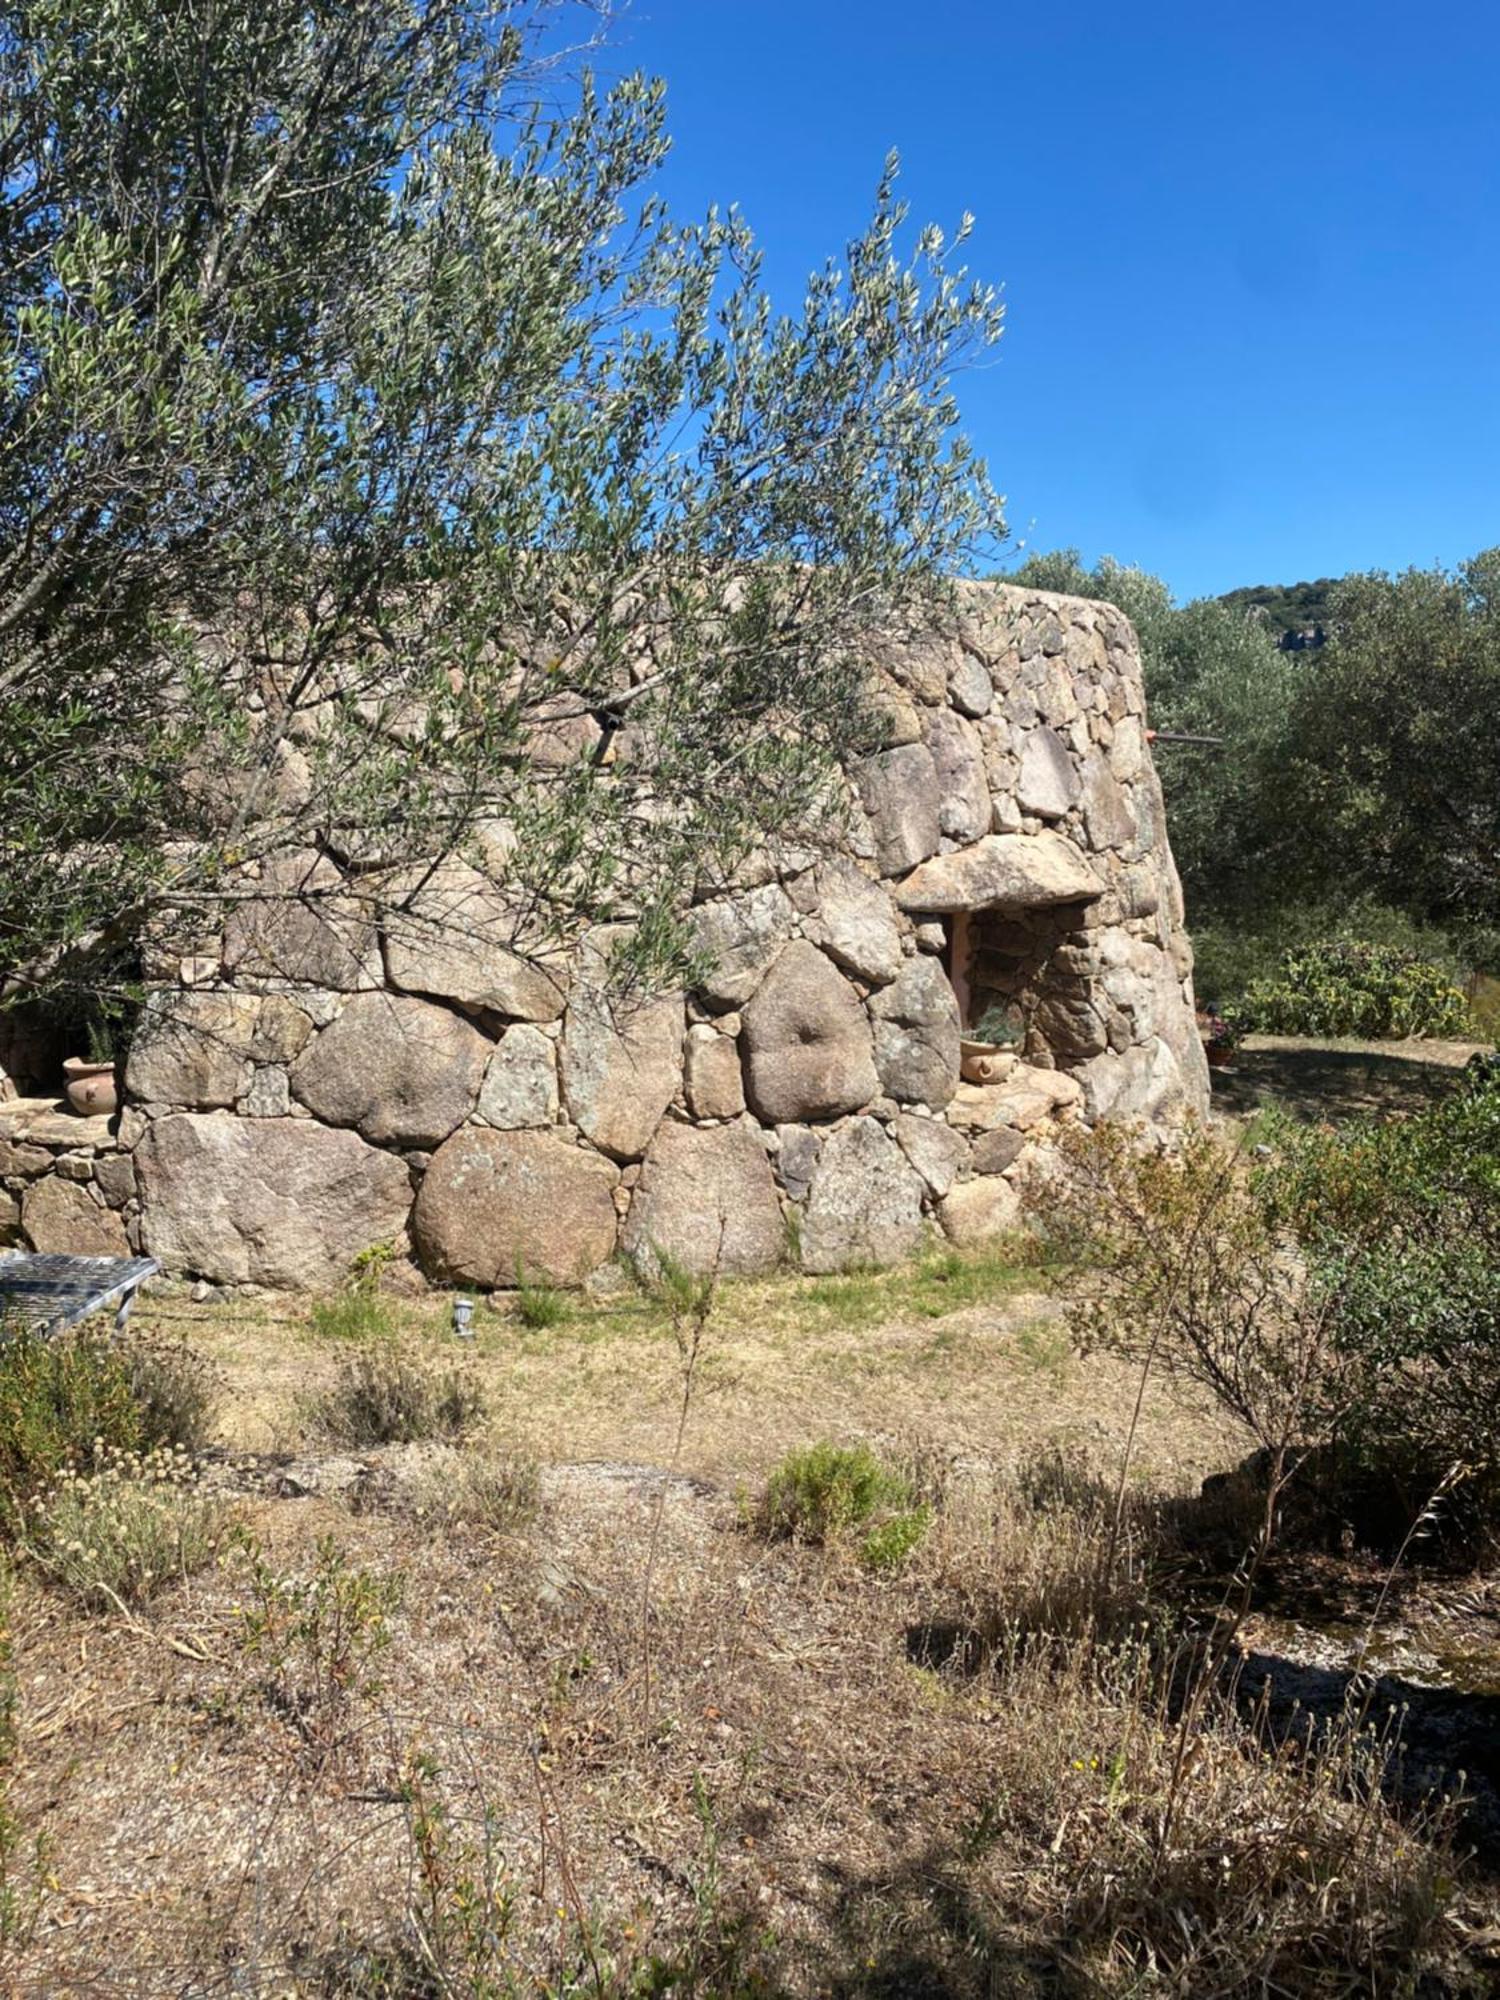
(316, 1082)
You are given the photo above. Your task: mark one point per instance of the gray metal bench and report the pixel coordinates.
(47, 1291)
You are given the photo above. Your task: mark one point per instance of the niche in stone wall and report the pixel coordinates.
(1022, 978)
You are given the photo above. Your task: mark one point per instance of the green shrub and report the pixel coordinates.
(1371, 990)
(316, 1639)
(62, 1401)
(888, 1544)
(1340, 1291)
(825, 1492)
(379, 1397)
(116, 1535)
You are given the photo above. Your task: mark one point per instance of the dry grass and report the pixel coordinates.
(814, 1797)
(969, 1352)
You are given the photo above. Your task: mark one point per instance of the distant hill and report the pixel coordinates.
(1297, 613)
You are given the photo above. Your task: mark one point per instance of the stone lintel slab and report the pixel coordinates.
(1022, 871)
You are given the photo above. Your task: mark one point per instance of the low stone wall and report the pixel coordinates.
(318, 1079)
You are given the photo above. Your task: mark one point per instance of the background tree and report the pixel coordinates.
(1397, 736)
(386, 476)
(1357, 791)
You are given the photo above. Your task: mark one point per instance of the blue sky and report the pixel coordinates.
(1250, 254)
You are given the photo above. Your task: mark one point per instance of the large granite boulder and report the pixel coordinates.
(451, 934)
(808, 1044)
(917, 1035)
(708, 1199)
(856, 922)
(495, 1207)
(193, 1048)
(621, 1058)
(302, 924)
(1024, 871)
(283, 1202)
(899, 791)
(739, 936)
(400, 1071)
(865, 1205)
(61, 1215)
(1145, 1083)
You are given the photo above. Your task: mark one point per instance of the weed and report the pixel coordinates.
(317, 1638)
(824, 1492)
(497, 1494)
(539, 1304)
(116, 1535)
(357, 1314)
(379, 1397)
(177, 1392)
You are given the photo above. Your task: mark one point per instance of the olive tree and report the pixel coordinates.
(389, 477)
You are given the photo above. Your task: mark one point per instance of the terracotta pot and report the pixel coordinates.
(90, 1087)
(984, 1062)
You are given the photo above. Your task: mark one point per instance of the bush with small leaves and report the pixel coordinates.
(826, 1492)
(177, 1392)
(378, 1396)
(1347, 988)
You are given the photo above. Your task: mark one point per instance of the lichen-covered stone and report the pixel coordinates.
(934, 1148)
(399, 1070)
(302, 923)
(451, 934)
(740, 935)
(963, 787)
(495, 1207)
(865, 1205)
(798, 1150)
(855, 922)
(282, 1202)
(995, 1151)
(976, 1212)
(917, 1035)
(809, 1052)
(1048, 783)
(708, 1199)
(621, 1059)
(520, 1083)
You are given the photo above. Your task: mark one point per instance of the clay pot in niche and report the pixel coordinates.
(90, 1087)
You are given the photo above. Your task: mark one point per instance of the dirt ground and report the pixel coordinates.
(628, 1722)
(627, 1693)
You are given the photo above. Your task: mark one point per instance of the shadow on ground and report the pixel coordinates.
(1318, 1082)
